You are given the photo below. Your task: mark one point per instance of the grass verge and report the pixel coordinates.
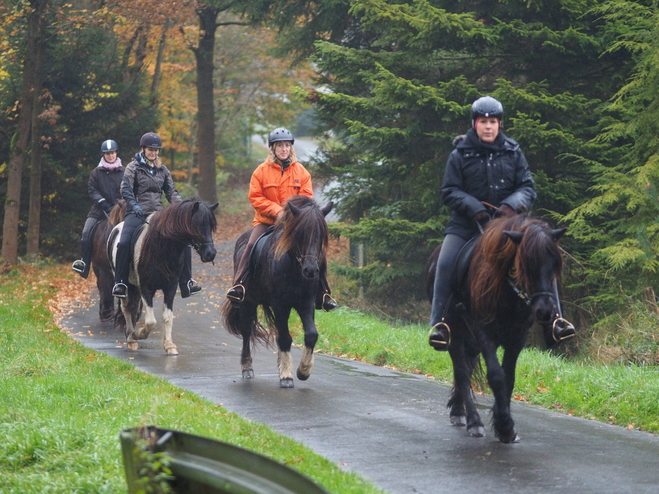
(63, 405)
(624, 395)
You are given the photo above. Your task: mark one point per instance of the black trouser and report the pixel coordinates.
(444, 273)
(87, 242)
(122, 267)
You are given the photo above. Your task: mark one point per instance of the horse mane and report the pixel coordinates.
(497, 258)
(177, 223)
(181, 220)
(301, 228)
(117, 212)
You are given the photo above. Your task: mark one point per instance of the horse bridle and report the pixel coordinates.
(197, 245)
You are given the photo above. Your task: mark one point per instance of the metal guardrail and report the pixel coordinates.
(202, 465)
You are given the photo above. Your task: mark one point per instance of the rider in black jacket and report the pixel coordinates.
(486, 175)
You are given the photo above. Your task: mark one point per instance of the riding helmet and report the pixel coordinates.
(151, 140)
(486, 106)
(280, 134)
(109, 146)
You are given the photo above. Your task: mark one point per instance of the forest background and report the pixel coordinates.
(384, 86)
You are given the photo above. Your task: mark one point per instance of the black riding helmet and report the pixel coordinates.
(486, 106)
(151, 140)
(280, 134)
(109, 146)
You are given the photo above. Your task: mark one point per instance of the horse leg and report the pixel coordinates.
(462, 406)
(149, 316)
(504, 426)
(168, 321)
(247, 318)
(310, 338)
(129, 328)
(284, 342)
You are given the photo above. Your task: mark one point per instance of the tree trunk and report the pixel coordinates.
(18, 151)
(34, 210)
(205, 104)
(157, 73)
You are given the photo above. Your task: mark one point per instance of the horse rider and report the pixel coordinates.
(103, 189)
(144, 182)
(486, 176)
(273, 182)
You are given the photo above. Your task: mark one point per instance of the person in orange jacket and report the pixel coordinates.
(274, 181)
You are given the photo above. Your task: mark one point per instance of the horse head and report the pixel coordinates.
(537, 268)
(304, 234)
(203, 244)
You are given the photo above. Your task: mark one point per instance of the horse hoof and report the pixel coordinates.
(248, 374)
(133, 345)
(510, 438)
(171, 351)
(286, 383)
(302, 377)
(458, 420)
(478, 431)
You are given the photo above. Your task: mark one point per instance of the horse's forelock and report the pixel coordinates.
(302, 229)
(536, 247)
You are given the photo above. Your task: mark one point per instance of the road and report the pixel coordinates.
(391, 427)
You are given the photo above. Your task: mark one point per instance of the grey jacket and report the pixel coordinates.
(144, 185)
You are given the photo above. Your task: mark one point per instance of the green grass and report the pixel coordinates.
(63, 405)
(625, 395)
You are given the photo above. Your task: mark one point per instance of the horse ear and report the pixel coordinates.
(327, 208)
(558, 233)
(514, 236)
(195, 207)
(294, 209)
(214, 206)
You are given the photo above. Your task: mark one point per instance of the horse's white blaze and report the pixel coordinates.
(306, 363)
(285, 365)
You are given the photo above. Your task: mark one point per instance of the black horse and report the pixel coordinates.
(511, 281)
(158, 256)
(285, 270)
(101, 262)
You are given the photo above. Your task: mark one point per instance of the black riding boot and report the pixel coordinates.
(122, 267)
(186, 284)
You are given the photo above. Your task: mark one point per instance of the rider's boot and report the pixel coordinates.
(189, 288)
(236, 293)
(440, 336)
(326, 302)
(120, 289)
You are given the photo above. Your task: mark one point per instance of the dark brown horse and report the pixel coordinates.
(101, 262)
(284, 274)
(510, 283)
(158, 257)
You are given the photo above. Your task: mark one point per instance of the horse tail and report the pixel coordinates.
(231, 318)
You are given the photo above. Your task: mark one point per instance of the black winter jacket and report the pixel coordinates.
(104, 184)
(144, 185)
(495, 173)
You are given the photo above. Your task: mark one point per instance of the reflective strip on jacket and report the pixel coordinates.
(271, 186)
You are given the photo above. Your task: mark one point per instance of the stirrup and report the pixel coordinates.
(328, 302)
(232, 293)
(562, 330)
(438, 344)
(193, 287)
(118, 286)
(76, 266)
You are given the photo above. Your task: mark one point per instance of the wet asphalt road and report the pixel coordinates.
(390, 427)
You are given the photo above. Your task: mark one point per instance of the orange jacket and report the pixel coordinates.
(270, 187)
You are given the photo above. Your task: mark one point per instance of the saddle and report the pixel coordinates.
(256, 250)
(462, 264)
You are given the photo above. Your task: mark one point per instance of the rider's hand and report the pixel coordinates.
(139, 212)
(482, 217)
(106, 206)
(504, 210)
